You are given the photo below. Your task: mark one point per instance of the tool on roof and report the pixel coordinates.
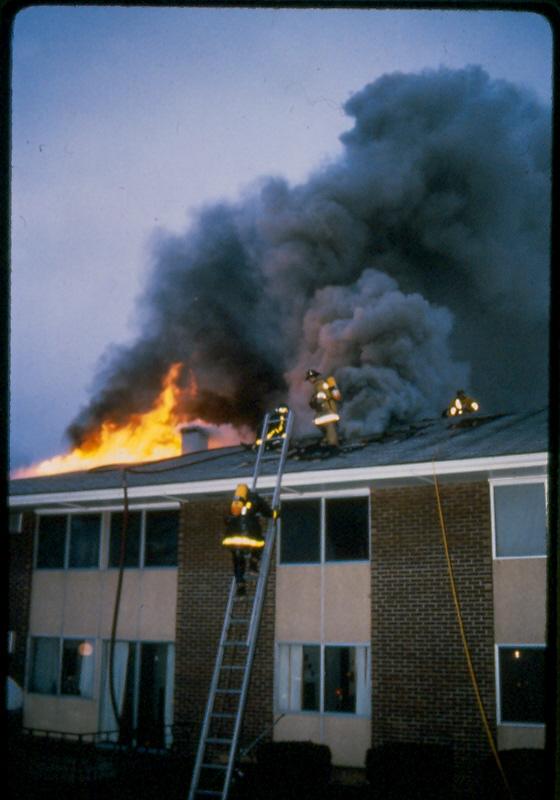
(221, 727)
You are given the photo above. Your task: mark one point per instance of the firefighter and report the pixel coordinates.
(461, 404)
(324, 399)
(277, 423)
(244, 533)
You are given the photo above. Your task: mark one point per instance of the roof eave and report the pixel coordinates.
(360, 475)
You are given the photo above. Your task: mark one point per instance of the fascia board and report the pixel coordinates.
(292, 479)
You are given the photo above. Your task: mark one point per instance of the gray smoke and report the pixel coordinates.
(415, 264)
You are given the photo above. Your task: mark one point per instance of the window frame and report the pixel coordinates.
(497, 482)
(67, 539)
(321, 712)
(60, 640)
(512, 645)
(323, 497)
(143, 538)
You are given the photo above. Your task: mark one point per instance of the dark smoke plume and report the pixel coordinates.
(415, 264)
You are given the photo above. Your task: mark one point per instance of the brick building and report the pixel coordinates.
(359, 642)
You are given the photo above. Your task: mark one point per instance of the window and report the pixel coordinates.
(15, 522)
(151, 539)
(133, 533)
(335, 526)
(68, 541)
(51, 542)
(521, 684)
(62, 667)
(161, 539)
(340, 685)
(44, 665)
(85, 530)
(347, 529)
(143, 690)
(340, 679)
(301, 531)
(520, 519)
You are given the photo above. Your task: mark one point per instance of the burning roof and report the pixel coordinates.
(414, 263)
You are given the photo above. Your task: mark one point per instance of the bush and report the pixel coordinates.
(525, 770)
(290, 771)
(410, 770)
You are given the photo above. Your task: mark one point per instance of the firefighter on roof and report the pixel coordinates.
(276, 432)
(461, 404)
(324, 399)
(244, 534)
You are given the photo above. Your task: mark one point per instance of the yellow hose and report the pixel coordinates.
(466, 648)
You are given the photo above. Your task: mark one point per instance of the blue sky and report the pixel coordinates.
(125, 120)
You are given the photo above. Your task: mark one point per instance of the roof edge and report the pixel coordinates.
(424, 469)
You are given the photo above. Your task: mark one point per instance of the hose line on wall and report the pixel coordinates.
(116, 607)
(466, 648)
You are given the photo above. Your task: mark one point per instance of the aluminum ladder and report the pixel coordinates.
(221, 728)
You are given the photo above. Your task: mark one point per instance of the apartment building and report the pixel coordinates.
(359, 642)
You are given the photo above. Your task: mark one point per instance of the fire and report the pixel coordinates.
(149, 436)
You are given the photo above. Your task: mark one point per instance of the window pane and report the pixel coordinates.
(132, 548)
(77, 667)
(161, 538)
(44, 665)
(15, 522)
(151, 697)
(300, 539)
(340, 679)
(520, 517)
(85, 531)
(311, 677)
(522, 684)
(51, 541)
(347, 529)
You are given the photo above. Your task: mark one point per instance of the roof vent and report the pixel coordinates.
(193, 438)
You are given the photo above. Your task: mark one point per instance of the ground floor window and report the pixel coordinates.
(141, 693)
(521, 683)
(61, 666)
(325, 678)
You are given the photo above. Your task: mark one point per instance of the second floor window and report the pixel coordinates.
(151, 539)
(324, 530)
(68, 541)
(519, 519)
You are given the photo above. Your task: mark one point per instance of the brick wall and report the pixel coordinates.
(19, 593)
(205, 573)
(421, 686)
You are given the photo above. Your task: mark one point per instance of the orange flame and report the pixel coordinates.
(149, 436)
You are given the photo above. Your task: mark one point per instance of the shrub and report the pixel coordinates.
(291, 771)
(410, 770)
(525, 770)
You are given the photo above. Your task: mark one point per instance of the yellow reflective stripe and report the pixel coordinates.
(243, 541)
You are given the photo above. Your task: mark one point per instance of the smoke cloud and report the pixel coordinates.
(415, 264)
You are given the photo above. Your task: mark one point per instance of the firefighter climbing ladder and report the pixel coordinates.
(221, 727)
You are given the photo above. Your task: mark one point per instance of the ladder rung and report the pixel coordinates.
(233, 643)
(240, 620)
(228, 691)
(227, 666)
(209, 792)
(213, 766)
(217, 740)
(222, 715)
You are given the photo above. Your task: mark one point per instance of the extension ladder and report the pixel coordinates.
(221, 727)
